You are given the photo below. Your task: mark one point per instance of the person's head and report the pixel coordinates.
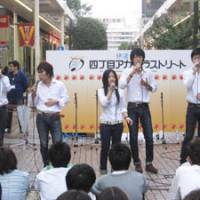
(14, 66)
(194, 195)
(137, 56)
(45, 71)
(112, 193)
(194, 151)
(120, 157)
(109, 78)
(8, 160)
(80, 177)
(59, 154)
(74, 195)
(195, 55)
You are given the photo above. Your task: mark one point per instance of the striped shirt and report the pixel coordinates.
(15, 185)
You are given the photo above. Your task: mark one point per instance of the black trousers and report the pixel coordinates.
(141, 113)
(107, 133)
(192, 118)
(3, 120)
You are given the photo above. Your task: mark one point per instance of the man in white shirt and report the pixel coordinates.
(51, 182)
(139, 83)
(191, 79)
(50, 96)
(5, 87)
(187, 177)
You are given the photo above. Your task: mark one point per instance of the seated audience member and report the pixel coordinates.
(51, 182)
(131, 182)
(194, 195)
(112, 193)
(187, 177)
(74, 195)
(81, 177)
(14, 182)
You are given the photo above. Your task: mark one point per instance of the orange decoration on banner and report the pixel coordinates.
(26, 34)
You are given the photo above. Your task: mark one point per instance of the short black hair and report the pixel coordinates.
(47, 67)
(120, 157)
(112, 193)
(8, 160)
(74, 195)
(194, 151)
(136, 52)
(80, 177)
(59, 154)
(15, 63)
(193, 195)
(195, 52)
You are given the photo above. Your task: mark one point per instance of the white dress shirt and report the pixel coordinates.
(51, 183)
(5, 87)
(187, 179)
(137, 92)
(56, 91)
(192, 83)
(111, 111)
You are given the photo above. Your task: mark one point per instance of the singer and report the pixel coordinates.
(139, 83)
(5, 87)
(114, 111)
(192, 82)
(49, 96)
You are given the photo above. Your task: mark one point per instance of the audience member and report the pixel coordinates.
(112, 193)
(14, 182)
(187, 177)
(74, 195)
(51, 182)
(81, 177)
(132, 183)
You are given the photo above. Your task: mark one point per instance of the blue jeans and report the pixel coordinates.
(107, 132)
(141, 113)
(45, 124)
(3, 120)
(192, 118)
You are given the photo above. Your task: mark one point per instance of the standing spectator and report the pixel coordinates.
(5, 87)
(51, 182)
(14, 182)
(15, 96)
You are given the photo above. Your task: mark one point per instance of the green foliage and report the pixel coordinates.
(125, 46)
(77, 8)
(166, 35)
(89, 33)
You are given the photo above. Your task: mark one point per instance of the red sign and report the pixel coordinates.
(26, 34)
(4, 21)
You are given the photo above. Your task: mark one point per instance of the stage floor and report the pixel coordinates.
(166, 160)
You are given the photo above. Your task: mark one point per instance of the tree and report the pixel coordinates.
(125, 46)
(77, 8)
(89, 33)
(166, 35)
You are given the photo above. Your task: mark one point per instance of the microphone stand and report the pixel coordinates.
(76, 119)
(96, 141)
(162, 117)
